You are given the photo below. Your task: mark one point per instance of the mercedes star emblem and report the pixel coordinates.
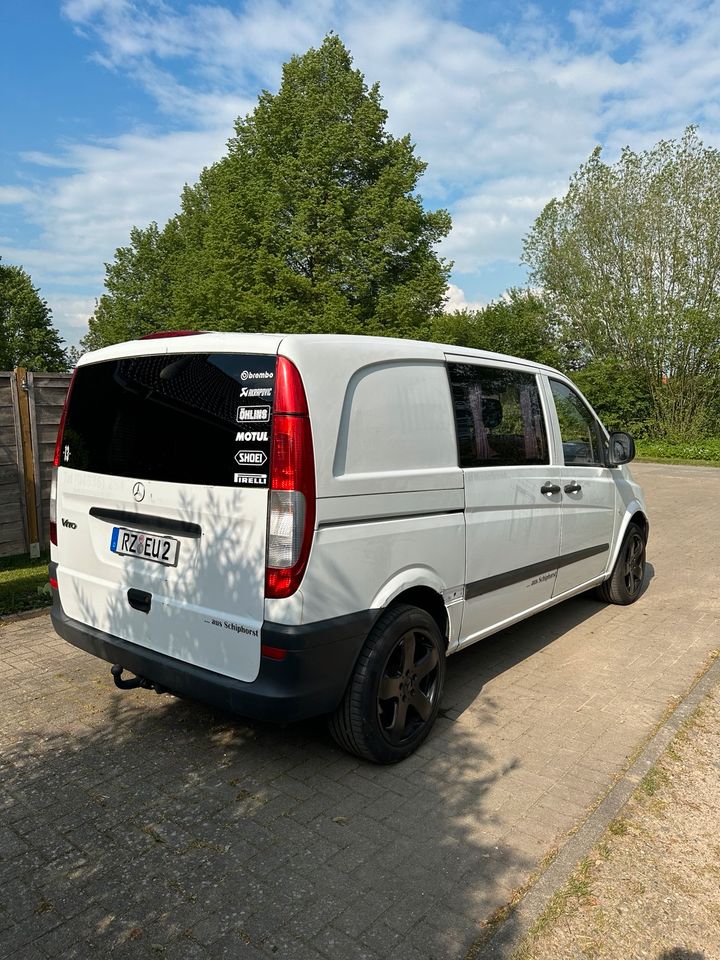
(139, 491)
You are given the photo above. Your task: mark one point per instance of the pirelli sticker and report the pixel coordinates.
(250, 459)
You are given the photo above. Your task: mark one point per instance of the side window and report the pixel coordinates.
(578, 428)
(498, 416)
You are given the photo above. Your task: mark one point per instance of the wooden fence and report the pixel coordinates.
(30, 409)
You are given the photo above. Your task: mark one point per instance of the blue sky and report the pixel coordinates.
(110, 106)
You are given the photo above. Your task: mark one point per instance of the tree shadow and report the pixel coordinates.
(154, 826)
(680, 953)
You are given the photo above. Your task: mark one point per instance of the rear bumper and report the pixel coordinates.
(309, 681)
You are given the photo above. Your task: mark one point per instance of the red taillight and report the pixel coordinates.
(273, 653)
(63, 418)
(53, 583)
(53, 507)
(291, 515)
(161, 334)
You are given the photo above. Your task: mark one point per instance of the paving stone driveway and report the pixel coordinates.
(153, 827)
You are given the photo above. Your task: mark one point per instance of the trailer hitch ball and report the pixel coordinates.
(116, 670)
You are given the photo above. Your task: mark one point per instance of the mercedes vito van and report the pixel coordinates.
(287, 526)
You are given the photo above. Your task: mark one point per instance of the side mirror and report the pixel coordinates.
(622, 449)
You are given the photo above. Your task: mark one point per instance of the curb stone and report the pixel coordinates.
(513, 930)
(25, 615)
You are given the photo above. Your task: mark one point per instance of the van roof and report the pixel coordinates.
(216, 342)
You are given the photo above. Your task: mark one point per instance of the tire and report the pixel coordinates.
(624, 585)
(393, 696)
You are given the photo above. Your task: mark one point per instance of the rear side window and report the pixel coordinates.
(498, 416)
(184, 418)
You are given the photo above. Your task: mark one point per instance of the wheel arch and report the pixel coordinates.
(429, 600)
(421, 588)
(634, 513)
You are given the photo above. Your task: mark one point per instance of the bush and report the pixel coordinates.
(707, 450)
(621, 397)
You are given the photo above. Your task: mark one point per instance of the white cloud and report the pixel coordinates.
(83, 216)
(72, 312)
(15, 195)
(458, 301)
(489, 224)
(502, 119)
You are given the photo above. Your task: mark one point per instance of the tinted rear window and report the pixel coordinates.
(184, 418)
(498, 415)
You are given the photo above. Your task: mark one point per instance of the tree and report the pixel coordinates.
(27, 336)
(521, 324)
(310, 222)
(140, 290)
(630, 258)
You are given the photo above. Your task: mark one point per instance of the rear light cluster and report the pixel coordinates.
(291, 517)
(56, 464)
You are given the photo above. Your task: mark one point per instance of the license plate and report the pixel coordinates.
(134, 543)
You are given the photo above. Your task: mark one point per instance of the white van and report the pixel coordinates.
(287, 526)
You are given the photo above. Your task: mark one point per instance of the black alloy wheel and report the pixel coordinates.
(634, 556)
(625, 583)
(408, 687)
(393, 697)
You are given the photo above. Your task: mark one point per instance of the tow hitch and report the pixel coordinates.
(117, 671)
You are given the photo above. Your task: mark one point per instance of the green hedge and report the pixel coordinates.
(704, 450)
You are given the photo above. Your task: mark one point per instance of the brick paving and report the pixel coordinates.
(152, 827)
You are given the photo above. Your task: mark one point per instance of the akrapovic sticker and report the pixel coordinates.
(256, 392)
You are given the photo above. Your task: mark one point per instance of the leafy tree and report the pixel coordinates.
(630, 258)
(139, 285)
(620, 395)
(310, 222)
(521, 324)
(27, 336)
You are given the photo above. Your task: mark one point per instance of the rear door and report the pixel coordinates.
(512, 493)
(162, 503)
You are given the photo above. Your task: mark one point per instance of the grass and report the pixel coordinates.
(578, 890)
(24, 584)
(705, 452)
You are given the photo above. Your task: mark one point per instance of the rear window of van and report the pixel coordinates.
(183, 418)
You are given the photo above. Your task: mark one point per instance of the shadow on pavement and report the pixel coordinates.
(155, 827)
(680, 953)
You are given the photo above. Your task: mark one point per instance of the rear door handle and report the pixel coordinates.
(550, 488)
(139, 600)
(573, 487)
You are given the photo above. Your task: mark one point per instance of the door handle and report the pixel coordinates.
(550, 488)
(573, 487)
(139, 600)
